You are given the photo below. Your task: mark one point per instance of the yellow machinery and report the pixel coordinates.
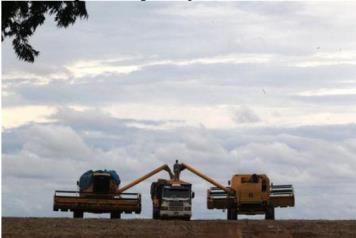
(97, 194)
(146, 176)
(250, 194)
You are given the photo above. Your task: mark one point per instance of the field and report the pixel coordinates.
(88, 228)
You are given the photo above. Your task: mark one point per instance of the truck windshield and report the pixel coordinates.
(176, 193)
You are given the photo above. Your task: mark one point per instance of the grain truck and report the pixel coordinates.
(97, 193)
(171, 199)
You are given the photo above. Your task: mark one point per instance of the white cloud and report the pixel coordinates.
(199, 10)
(57, 155)
(18, 116)
(329, 92)
(34, 78)
(209, 116)
(55, 142)
(94, 68)
(328, 59)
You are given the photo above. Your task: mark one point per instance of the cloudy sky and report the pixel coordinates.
(226, 87)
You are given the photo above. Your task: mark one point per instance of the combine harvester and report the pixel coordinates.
(97, 194)
(250, 194)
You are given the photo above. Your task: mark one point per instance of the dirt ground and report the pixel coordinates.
(88, 228)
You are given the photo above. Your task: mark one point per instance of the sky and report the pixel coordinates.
(227, 87)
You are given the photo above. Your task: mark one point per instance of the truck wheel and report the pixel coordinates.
(155, 213)
(270, 213)
(78, 214)
(231, 214)
(115, 215)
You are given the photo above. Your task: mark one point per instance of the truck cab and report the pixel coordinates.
(172, 201)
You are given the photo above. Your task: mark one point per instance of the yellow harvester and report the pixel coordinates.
(250, 194)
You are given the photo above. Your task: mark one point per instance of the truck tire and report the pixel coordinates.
(155, 213)
(270, 213)
(78, 214)
(115, 215)
(231, 214)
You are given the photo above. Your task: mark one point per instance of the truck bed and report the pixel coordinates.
(97, 203)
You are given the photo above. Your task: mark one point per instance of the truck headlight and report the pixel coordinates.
(187, 209)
